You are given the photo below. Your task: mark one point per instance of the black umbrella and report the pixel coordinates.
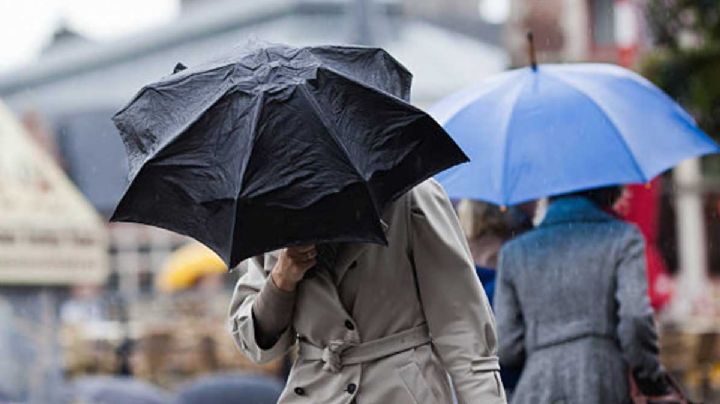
(277, 146)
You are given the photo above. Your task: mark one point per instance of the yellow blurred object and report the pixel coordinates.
(186, 265)
(714, 376)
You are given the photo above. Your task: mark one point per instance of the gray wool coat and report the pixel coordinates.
(572, 307)
(424, 279)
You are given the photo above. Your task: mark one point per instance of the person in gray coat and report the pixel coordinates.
(572, 306)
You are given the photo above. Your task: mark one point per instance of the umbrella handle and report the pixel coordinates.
(531, 51)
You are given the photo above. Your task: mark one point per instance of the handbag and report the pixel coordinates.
(675, 397)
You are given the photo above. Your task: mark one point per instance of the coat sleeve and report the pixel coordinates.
(456, 309)
(511, 327)
(636, 326)
(254, 275)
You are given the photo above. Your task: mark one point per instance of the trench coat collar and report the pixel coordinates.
(350, 252)
(573, 210)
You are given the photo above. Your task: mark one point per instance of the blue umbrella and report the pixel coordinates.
(536, 132)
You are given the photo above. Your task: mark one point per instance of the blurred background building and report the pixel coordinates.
(66, 97)
(77, 84)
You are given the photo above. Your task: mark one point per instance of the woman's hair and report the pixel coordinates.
(604, 197)
(481, 218)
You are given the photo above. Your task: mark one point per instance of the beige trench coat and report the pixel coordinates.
(425, 277)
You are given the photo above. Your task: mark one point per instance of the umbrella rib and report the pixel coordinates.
(445, 111)
(172, 79)
(363, 85)
(253, 141)
(318, 113)
(215, 97)
(253, 132)
(606, 116)
(506, 142)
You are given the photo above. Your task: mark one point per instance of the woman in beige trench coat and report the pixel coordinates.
(395, 324)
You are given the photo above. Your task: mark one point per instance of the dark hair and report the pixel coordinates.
(480, 218)
(604, 197)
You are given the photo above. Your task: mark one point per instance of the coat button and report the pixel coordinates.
(301, 338)
(299, 391)
(349, 325)
(353, 265)
(351, 388)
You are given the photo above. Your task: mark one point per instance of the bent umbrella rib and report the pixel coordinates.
(253, 139)
(318, 112)
(208, 101)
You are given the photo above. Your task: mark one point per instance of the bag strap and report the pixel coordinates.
(676, 397)
(636, 395)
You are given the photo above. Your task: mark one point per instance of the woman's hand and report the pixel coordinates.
(292, 265)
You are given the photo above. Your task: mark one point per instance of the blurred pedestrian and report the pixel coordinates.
(640, 205)
(572, 306)
(487, 227)
(116, 390)
(84, 305)
(522, 217)
(364, 319)
(235, 388)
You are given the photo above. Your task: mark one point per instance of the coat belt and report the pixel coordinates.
(340, 353)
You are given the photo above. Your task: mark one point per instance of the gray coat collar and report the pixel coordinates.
(574, 209)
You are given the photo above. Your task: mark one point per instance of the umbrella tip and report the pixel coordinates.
(531, 51)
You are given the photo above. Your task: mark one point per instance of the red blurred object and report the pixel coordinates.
(640, 205)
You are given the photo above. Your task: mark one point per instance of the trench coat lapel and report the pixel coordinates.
(350, 252)
(323, 277)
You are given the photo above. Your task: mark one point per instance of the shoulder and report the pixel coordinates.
(509, 254)
(428, 188)
(629, 236)
(519, 242)
(622, 232)
(428, 192)
(625, 228)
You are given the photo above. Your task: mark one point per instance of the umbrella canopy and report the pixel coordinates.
(231, 388)
(532, 133)
(276, 146)
(186, 265)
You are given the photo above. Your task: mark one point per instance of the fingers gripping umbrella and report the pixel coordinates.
(536, 132)
(276, 146)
